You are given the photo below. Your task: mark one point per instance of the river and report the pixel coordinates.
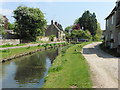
(28, 71)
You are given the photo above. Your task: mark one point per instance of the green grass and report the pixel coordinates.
(69, 69)
(11, 45)
(11, 52)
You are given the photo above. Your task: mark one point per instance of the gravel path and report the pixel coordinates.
(104, 67)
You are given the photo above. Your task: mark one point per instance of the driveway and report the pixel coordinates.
(104, 67)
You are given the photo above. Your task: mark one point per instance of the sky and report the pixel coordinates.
(63, 12)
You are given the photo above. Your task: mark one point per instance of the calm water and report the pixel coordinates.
(28, 71)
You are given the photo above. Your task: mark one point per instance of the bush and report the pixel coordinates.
(51, 38)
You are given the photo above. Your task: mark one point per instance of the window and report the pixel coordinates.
(112, 19)
(119, 38)
(107, 22)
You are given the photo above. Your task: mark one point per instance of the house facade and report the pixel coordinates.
(112, 32)
(56, 30)
(8, 34)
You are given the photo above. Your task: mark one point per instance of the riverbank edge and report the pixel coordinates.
(50, 73)
(32, 52)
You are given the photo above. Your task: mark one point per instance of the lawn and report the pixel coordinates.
(69, 70)
(11, 52)
(22, 44)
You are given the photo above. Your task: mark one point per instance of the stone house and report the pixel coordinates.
(112, 32)
(56, 30)
(8, 34)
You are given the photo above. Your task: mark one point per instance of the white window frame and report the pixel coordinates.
(107, 22)
(112, 19)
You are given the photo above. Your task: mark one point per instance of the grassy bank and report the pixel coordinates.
(12, 52)
(69, 70)
(22, 44)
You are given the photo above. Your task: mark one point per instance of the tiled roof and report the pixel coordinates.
(113, 11)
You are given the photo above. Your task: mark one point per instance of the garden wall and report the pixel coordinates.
(9, 41)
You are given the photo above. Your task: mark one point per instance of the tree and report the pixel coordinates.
(99, 31)
(80, 34)
(88, 21)
(98, 35)
(68, 28)
(29, 23)
(10, 26)
(1, 25)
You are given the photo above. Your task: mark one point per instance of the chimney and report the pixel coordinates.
(55, 23)
(51, 21)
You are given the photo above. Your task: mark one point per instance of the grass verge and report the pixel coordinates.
(12, 52)
(69, 70)
(22, 44)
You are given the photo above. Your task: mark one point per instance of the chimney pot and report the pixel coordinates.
(55, 23)
(51, 21)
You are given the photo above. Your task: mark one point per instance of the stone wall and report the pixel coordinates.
(47, 39)
(9, 41)
(44, 39)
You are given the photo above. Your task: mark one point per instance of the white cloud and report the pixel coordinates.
(5, 11)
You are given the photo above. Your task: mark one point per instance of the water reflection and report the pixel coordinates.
(28, 71)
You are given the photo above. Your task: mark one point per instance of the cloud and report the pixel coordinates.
(5, 11)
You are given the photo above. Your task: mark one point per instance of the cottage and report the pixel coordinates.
(56, 30)
(112, 32)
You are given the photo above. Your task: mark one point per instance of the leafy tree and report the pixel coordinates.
(68, 28)
(99, 31)
(88, 21)
(1, 25)
(80, 34)
(10, 26)
(52, 37)
(29, 23)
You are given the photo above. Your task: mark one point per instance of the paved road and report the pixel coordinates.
(28, 45)
(104, 67)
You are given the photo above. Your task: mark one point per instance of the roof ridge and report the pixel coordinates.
(57, 27)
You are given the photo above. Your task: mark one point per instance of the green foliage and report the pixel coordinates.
(51, 38)
(88, 21)
(10, 26)
(96, 38)
(80, 34)
(55, 69)
(29, 23)
(68, 28)
(5, 51)
(1, 25)
(98, 31)
(11, 45)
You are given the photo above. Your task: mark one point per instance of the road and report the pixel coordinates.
(103, 67)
